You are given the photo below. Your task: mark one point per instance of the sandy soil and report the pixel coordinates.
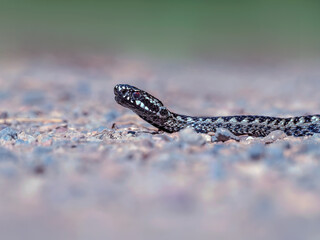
(65, 173)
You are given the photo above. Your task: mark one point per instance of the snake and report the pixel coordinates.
(152, 110)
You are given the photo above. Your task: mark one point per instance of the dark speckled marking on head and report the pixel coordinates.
(137, 100)
(153, 111)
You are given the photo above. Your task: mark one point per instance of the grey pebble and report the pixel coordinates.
(217, 170)
(166, 161)
(62, 143)
(6, 155)
(315, 137)
(100, 129)
(42, 158)
(217, 148)
(8, 134)
(42, 150)
(111, 115)
(222, 135)
(4, 94)
(275, 156)
(4, 115)
(189, 136)
(274, 136)
(33, 97)
(84, 88)
(256, 151)
(310, 148)
(21, 142)
(8, 169)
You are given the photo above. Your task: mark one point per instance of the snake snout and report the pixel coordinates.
(121, 89)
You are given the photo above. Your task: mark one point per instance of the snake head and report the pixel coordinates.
(137, 100)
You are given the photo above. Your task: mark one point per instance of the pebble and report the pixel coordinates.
(22, 136)
(309, 147)
(84, 88)
(6, 155)
(8, 169)
(111, 115)
(33, 98)
(315, 137)
(256, 151)
(42, 150)
(4, 115)
(21, 142)
(100, 129)
(166, 161)
(274, 136)
(275, 156)
(217, 170)
(4, 95)
(189, 136)
(223, 135)
(8, 134)
(217, 148)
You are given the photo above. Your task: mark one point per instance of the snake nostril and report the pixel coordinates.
(123, 91)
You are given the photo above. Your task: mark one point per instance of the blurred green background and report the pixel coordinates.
(288, 28)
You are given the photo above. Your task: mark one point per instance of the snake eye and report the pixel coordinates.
(163, 112)
(136, 95)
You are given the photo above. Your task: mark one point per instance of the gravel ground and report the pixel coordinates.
(75, 165)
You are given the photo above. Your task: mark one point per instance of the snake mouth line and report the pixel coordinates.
(117, 99)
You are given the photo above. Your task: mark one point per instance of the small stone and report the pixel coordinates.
(4, 115)
(84, 88)
(62, 129)
(8, 134)
(217, 170)
(94, 140)
(315, 137)
(4, 94)
(33, 98)
(275, 157)
(222, 135)
(46, 141)
(20, 142)
(166, 161)
(217, 148)
(310, 148)
(42, 150)
(275, 152)
(256, 151)
(274, 136)
(40, 169)
(6, 155)
(8, 169)
(111, 115)
(207, 137)
(164, 137)
(27, 139)
(147, 143)
(189, 136)
(101, 129)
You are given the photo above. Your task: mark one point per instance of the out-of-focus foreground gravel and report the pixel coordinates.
(68, 172)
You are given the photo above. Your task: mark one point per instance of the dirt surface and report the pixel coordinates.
(75, 165)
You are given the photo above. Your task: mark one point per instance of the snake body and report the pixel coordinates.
(154, 112)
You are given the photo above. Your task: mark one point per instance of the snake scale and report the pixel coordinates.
(154, 112)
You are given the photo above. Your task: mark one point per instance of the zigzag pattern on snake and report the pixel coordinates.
(154, 112)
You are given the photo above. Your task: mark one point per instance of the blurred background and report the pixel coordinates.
(232, 30)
